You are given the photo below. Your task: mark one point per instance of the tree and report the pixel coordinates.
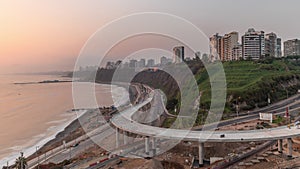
(21, 162)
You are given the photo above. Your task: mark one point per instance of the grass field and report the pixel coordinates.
(252, 82)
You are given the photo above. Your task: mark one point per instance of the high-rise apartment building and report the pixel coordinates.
(292, 47)
(228, 42)
(178, 54)
(132, 63)
(221, 47)
(278, 47)
(163, 60)
(253, 43)
(150, 63)
(215, 47)
(141, 63)
(272, 45)
(237, 53)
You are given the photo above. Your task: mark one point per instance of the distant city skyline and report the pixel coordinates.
(253, 44)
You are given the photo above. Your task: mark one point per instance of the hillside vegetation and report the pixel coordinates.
(251, 83)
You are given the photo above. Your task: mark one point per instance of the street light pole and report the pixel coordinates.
(22, 167)
(237, 111)
(202, 113)
(287, 92)
(38, 158)
(237, 106)
(70, 153)
(45, 156)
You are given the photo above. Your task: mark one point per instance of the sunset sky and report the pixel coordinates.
(39, 35)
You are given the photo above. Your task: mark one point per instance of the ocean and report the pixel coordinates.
(32, 114)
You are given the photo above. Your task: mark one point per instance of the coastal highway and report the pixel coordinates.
(62, 152)
(124, 122)
(71, 152)
(291, 102)
(56, 151)
(278, 108)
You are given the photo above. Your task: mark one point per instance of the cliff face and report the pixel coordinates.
(104, 75)
(157, 80)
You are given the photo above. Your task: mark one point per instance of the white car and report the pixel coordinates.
(297, 123)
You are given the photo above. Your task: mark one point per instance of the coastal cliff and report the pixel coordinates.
(249, 83)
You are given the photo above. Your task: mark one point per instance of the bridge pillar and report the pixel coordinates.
(290, 147)
(280, 146)
(125, 134)
(154, 146)
(147, 145)
(201, 154)
(117, 137)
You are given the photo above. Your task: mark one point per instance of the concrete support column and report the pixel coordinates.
(147, 145)
(117, 137)
(154, 146)
(290, 147)
(130, 139)
(201, 154)
(125, 134)
(280, 146)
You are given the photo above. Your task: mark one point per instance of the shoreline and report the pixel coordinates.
(50, 142)
(44, 82)
(29, 151)
(61, 129)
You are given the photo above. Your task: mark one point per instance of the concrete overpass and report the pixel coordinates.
(124, 123)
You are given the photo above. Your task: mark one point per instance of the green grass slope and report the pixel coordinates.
(250, 83)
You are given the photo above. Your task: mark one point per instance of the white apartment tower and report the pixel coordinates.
(215, 47)
(253, 43)
(178, 54)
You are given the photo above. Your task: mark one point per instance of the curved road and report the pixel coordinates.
(124, 122)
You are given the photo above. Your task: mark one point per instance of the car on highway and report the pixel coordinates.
(75, 145)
